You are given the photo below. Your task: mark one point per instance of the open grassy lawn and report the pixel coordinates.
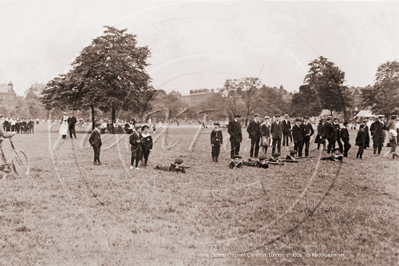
(71, 212)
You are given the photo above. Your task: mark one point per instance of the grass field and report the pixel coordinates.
(71, 212)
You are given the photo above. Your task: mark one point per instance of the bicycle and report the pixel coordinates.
(17, 165)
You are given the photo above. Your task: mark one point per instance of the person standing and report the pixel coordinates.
(378, 134)
(234, 129)
(254, 132)
(367, 134)
(319, 138)
(328, 133)
(64, 126)
(344, 135)
(216, 142)
(146, 143)
(335, 135)
(307, 134)
(71, 125)
(95, 142)
(135, 142)
(265, 132)
(298, 136)
(277, 134)
(286, 130)
(360, 141)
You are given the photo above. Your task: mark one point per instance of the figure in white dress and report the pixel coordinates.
(64, 126)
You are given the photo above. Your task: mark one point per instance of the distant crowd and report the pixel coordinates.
(20, 125)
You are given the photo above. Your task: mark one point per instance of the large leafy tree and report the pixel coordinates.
(109, 74)
(304, 103)
(383, 97)
(328, 82)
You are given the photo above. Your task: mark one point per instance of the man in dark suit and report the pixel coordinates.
(297, 135)
(286, 130)
(234, 129)
(328, 133)
(378, 134)
(95, 142)
(307, 134)
(344, 135)
(254, 134)
(277, 134)
(71, 125)
(334, 131)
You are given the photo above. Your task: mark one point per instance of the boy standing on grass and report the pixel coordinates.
(393, 142)
(216, 142)
(344, 134)
(361, 141)
(135, 142)
(95, 142)
(146, 143)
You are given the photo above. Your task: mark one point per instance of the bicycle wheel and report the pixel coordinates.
(20, 163)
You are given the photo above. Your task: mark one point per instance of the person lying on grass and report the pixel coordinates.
(336, 156)
(260, 162)
(291, 158)
(176, 166)
(236, 162)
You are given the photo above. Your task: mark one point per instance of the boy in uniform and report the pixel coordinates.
(297, 134)
(176, 166)
(236, 162)
(336, 156)
(344, 135)
(307, 133)
(135, 142)
(216, 142)
(291, 158)
(95, 142)
(146, 143)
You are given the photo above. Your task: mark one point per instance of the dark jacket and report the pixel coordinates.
(335, 131)
(234, 129)
(307, 131)
(135, 141)
(286, 126)
(327, 130)
(277, 130)
(377, 130)
(146, 142)
(344, 134)
(265, 129)
(254, 130)
(216, 137)
(71, 122)
(95, 138)
(361, 138)
(297, 132)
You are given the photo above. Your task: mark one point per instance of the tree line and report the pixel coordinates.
(110, 75)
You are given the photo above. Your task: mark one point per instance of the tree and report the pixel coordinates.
(383, 97)
(305, 103)
(109, 74)
(327, 81)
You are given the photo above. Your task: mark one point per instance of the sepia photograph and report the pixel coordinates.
(199, 132)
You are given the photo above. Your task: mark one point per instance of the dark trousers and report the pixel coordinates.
(254, 146)
(276, 142)
(331, 145)
(347, 146)
(215, 152)
(136, 156)
(235, 148)
(146, 154)
(96, 153)
(360, 152)
(285, 138)
(72, 131)
(306, 142)
(298, 146)
(377, 144)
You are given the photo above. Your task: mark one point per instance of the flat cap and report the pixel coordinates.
(143, 127)
(237, 115)
(98, 124)
(276, 154)
(292, 152)
(298, 120)
(256, 114)
(262, 157)
(237, 157)
(267, 117)
(277, 116)
(179, 160)
(305, 117)
(381, 116)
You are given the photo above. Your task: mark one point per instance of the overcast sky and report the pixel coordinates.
(200, 44)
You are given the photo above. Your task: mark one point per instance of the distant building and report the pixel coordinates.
(7, 95)
(197, 96)
(356, 95)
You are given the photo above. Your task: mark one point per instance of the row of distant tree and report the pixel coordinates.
(110, 76)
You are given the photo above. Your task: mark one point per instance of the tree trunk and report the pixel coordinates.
(331, 112)
(113, 114)
(92, 117)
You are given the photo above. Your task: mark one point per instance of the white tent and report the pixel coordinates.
(365, 113)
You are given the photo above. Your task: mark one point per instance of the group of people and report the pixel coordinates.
(68, 123)
(19, 125)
